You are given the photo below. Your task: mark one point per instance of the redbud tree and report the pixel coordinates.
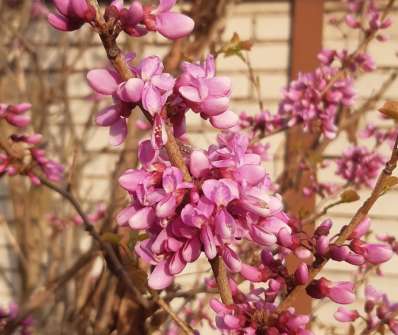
(218, 204)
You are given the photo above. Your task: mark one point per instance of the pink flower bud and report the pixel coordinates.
(344, 315)
(302, 275)
(377, 253)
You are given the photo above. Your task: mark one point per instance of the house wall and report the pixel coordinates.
(268, 25)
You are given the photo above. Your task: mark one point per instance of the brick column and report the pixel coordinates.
(306, 42)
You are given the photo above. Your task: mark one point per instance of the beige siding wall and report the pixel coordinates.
(268, 25)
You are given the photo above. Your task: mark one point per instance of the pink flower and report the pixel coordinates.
(170, 24)
(377, 253)
(206, 93)
(340, 292)
(72, 14)
(344, 315)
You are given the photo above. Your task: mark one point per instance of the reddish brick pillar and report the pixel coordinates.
(306, 42)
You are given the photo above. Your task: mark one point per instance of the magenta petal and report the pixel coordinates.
(261, 236)
(166, 207)
(160, 278)
(231, 321)
(209, 243)
(143, 250)
(214, 106)
(18, 120)
(163, 81)
(252, 174)
(377, 253)
(190, 93)
(219, 86)
(124, 215)
(64, 7)
(174, 25)
(151, 99)
(344, 315)
(131, 90)
(199, 163)
(176, 264)
(150, 66)
(142, 219)
(218, 306)
(231, 260)
(118, 132)
(224, 224)
(342, 293)
(22, 108)
(130, 179)
(361, 229)
(225, 120)
(251, 273)
(164, 6)
(102, 81)
(80, 8)
(63, 23)
(302, 274)
(191, 250)
(146, 152)
(135, 13)
(107, 116)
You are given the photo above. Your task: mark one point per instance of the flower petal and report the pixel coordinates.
(174, 25)
(102, 81)
(160, 278)
(225, 120)
(118, 132)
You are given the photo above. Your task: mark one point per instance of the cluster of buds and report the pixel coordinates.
(374, 21)
(379, 312)
(313, 100)
(22, 153)
(359, 166)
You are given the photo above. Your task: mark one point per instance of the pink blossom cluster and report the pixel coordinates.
(228, 200)
(252, 314)
(378, 311)
(359, 166)
(136, 20)
(33, 156)
(353, 63)
(7, 315)
(366, 15)
(197, 88)
(313, 100)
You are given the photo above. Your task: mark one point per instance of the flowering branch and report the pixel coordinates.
(346, 231)
(108, 38)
